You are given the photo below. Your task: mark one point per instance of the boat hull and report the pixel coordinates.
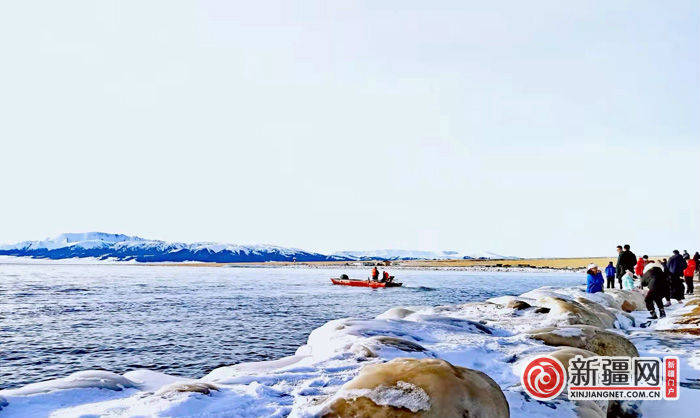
(364, 283)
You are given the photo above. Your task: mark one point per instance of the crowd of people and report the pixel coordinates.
(664, 279)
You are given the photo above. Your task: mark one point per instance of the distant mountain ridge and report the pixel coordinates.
(101, 245)
(419, 255)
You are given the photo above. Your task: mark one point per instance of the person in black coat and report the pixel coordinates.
(626, 260)
(676, 265)
(664, 264)
(654, 278)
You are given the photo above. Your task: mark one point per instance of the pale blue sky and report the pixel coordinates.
(524, 128)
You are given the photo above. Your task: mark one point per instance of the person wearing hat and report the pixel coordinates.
(594, 279)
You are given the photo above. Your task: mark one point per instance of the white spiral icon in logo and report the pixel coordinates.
(544, 378)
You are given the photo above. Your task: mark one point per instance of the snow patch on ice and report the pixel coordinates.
(93, 379)
(567, 332)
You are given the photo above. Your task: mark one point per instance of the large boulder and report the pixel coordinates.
(606, 317)
(571, 311)
(423, 388)
(591, 409)
(597, 340)
(564, 355)
(627, 299)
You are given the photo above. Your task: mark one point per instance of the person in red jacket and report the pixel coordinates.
(639, 268)
(375, 274)
(688, 275)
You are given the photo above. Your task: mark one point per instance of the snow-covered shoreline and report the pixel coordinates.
(495, 337)
(7, 259)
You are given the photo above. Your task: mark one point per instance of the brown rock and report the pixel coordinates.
(566, 354)
(597, 340)
(607, 318)
(575, 312)
(628, 306)
(633, 297)
(518, 304)
(419, 388)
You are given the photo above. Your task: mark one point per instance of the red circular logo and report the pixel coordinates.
(544, 378)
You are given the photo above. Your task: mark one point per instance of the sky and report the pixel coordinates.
(533, 129)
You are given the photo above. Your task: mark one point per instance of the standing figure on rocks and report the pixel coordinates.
(654, 278)
(696, 257)
(639, 268)
(664, 263)
(594, 280)
(626, 260)
(610, 275)
(676, 265)
(688, 274)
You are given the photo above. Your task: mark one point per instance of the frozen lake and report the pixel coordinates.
(56, 319)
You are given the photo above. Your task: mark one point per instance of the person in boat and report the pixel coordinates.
(386, 278)
(375, 274)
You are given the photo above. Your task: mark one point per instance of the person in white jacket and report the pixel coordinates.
(628, 280)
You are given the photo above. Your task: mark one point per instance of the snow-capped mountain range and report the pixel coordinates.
(121, 247)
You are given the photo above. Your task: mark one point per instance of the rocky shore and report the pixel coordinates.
(440, 361)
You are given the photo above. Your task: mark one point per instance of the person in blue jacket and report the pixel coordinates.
(594, 279)
(610, 275)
